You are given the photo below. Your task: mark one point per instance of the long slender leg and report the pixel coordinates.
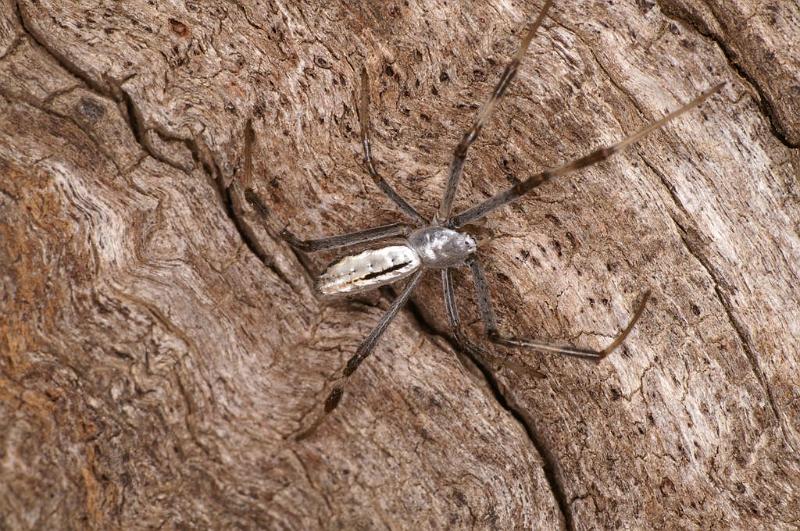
(450, 306)
(364, 350)
(453, 318)
(599, 155)
(363, 119)
(346, 240)
(460, 153)
(490, 324)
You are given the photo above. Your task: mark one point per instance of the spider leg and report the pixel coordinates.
(599, 155)
(364, 350)
(346, 240)
(460, 153)
(490, 324)
(453, 318)
(362, 107)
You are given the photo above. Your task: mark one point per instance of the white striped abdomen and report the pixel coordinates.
(368, 270)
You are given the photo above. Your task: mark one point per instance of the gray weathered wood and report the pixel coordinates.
(159, 345)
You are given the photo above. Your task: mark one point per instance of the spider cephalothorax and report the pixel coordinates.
(440, 244)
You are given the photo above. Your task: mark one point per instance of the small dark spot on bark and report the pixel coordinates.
(645, 5)
(322, 63)
(90, 109)
(615, 394)
(444, 77)
(504, 279)
(179, 28)
(491, 516)
(695, 309)
(255, 202)
(572, 240)
(673, 28)
(389, 71)
(424, 434)
(667, 487)
(459, 498)
(435, 402)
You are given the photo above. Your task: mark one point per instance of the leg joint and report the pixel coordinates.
(333, 399)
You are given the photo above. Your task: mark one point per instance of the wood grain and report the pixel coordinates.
(160, 345)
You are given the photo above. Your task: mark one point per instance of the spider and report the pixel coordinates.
(439, 243)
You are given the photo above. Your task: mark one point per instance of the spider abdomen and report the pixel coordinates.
(369, 269)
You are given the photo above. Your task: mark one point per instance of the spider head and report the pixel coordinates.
(481, 234)
(442, 247)
(469, 243)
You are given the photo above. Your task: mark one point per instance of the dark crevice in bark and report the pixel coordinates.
(60, 58)
(763, 102)
(203, 156)
(13, 46)
(136, 124)
(738, 327)
(720, 288)
(248, 237)
(471, 352)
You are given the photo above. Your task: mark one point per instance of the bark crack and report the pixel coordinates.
(550, 465)
(204, 157)
(722, 296)
(473, 353)
(716, 278)
(764, 104)
(60, 58)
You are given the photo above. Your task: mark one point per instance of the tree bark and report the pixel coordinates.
(160, 345)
